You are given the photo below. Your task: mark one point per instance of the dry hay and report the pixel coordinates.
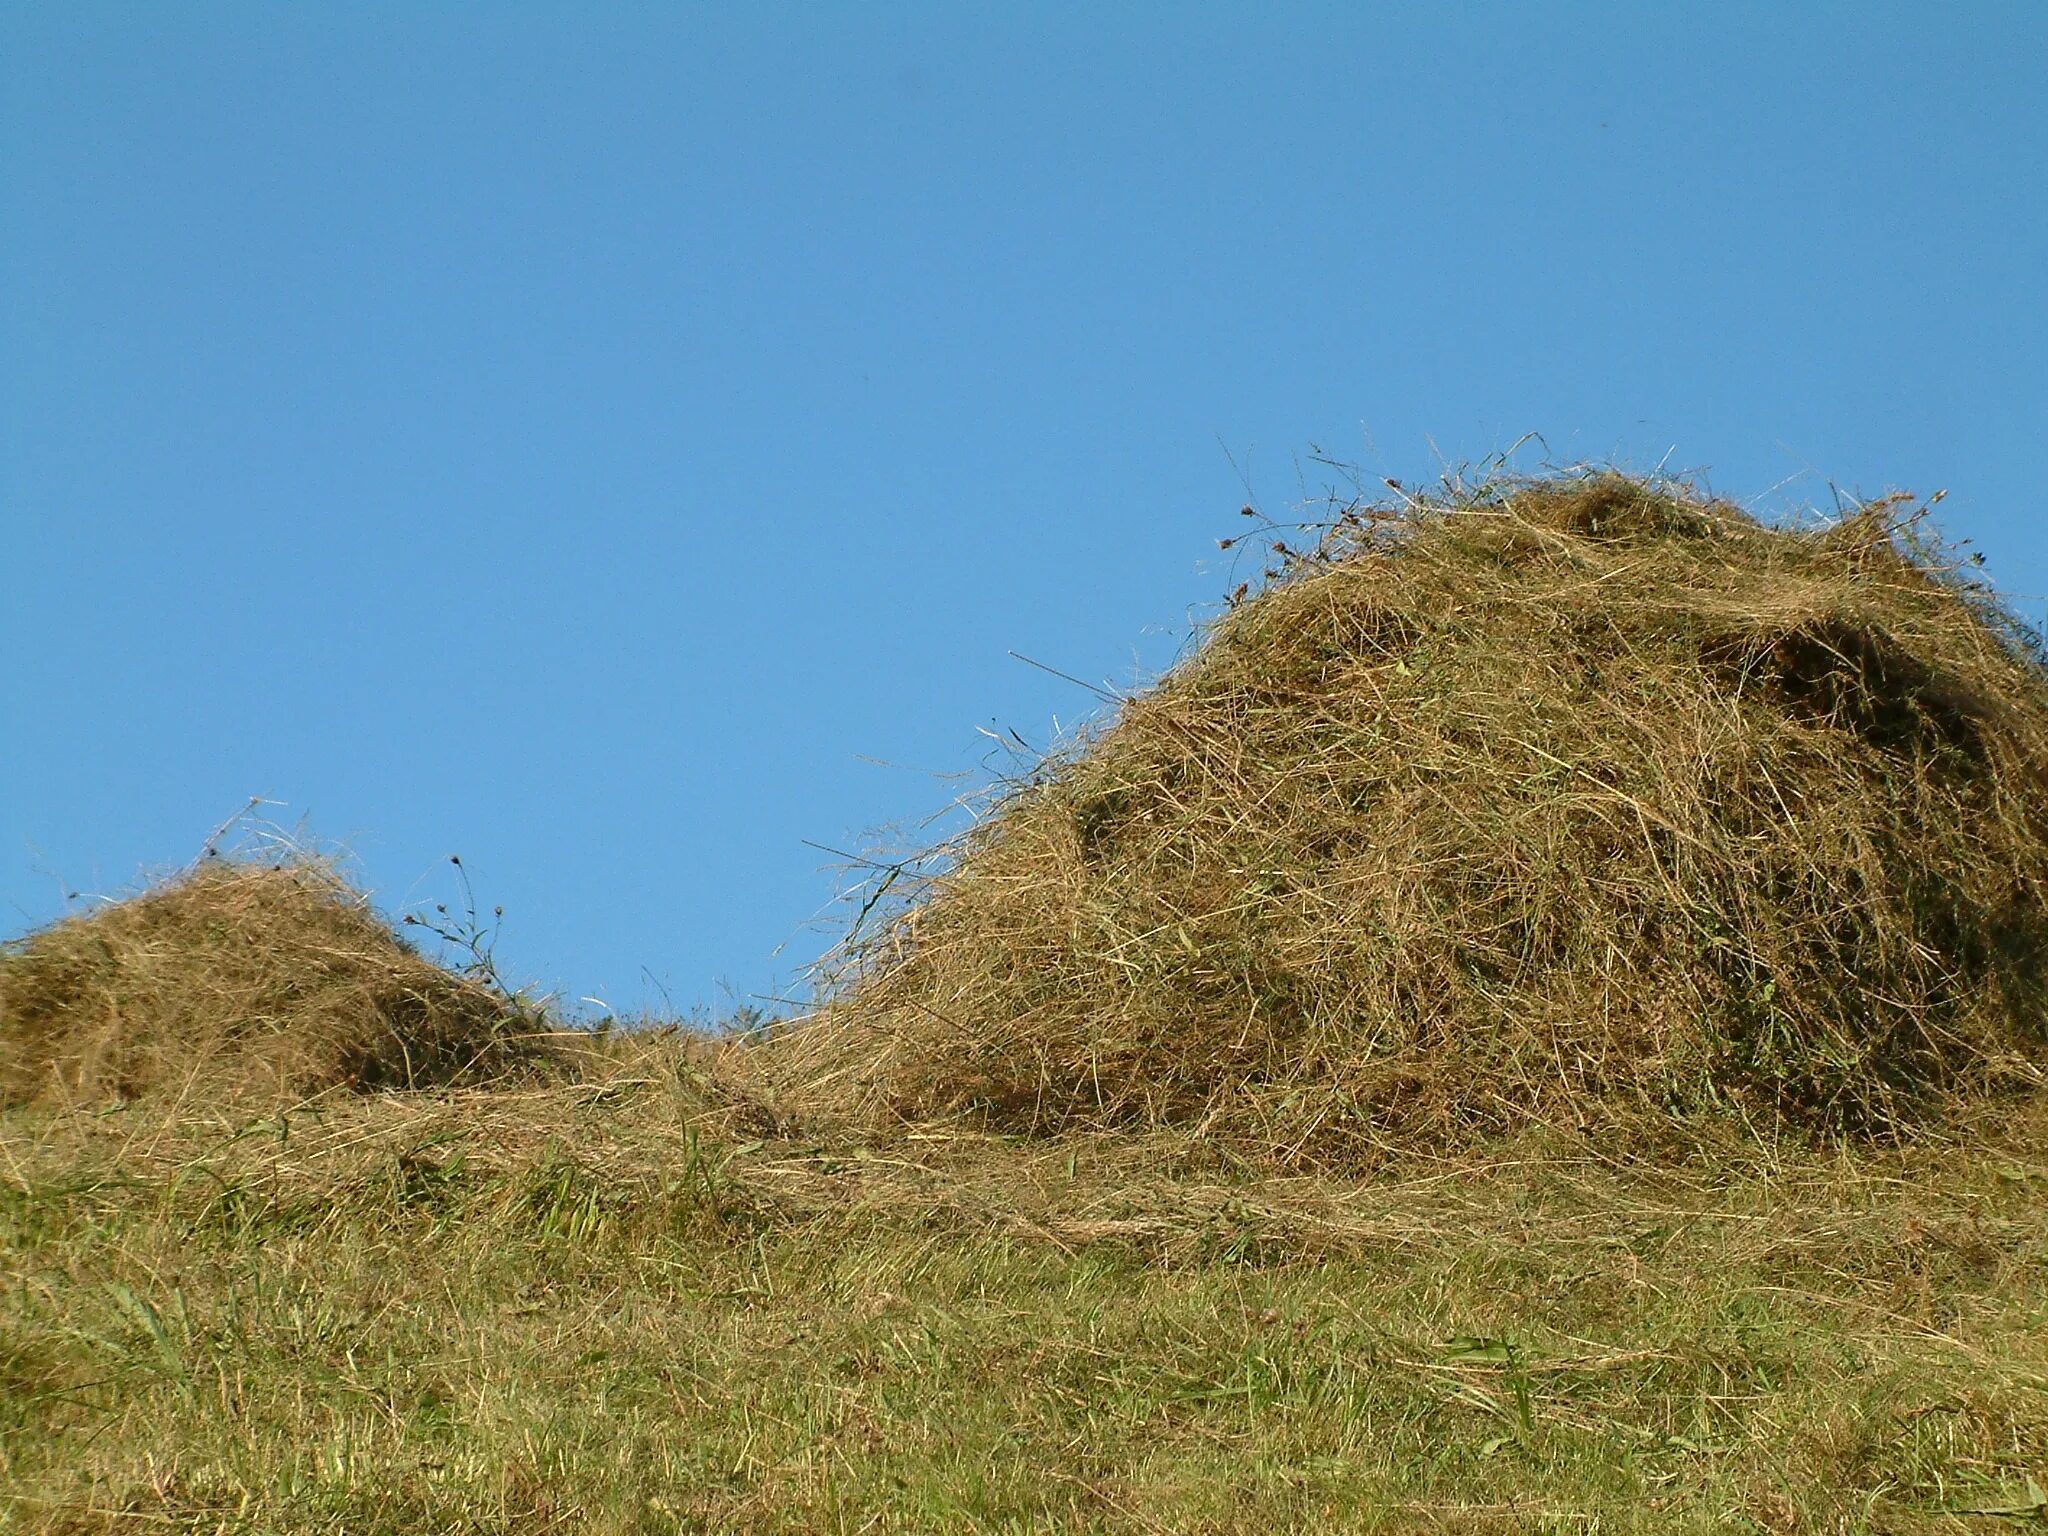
(240, 980)
(1579, 801)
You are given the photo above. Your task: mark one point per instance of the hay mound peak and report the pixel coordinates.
(1572, 800)
(241, 979)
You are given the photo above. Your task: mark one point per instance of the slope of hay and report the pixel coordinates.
(251, 980)
(1557, 801)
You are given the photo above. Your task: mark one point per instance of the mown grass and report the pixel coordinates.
(1536, 1025)
(610, 1303)
(1550, 801)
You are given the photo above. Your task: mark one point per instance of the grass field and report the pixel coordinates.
(602, 1302)
(1536, 1025)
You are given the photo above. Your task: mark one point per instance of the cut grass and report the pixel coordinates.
(1536, 1027)
(248, 980)
(1576, 801)
(611, 1304)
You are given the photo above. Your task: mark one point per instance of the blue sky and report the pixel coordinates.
(620, 443)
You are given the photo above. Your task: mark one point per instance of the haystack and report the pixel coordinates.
(1567, 802)
(240, 981)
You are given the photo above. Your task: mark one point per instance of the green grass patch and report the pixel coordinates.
(598, 1307)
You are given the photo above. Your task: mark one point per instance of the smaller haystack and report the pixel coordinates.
(1567, 802)
(244, 981)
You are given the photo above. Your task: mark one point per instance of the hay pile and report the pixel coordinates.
(245, 981)
(1573, 801)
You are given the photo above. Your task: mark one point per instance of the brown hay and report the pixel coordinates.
(241, 980)
(1556, 802)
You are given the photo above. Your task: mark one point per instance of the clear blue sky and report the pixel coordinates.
(595, 438)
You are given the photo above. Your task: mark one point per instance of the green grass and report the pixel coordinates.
(604, 1306)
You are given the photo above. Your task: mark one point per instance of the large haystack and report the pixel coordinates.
(240, 980)
(1558, 801)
